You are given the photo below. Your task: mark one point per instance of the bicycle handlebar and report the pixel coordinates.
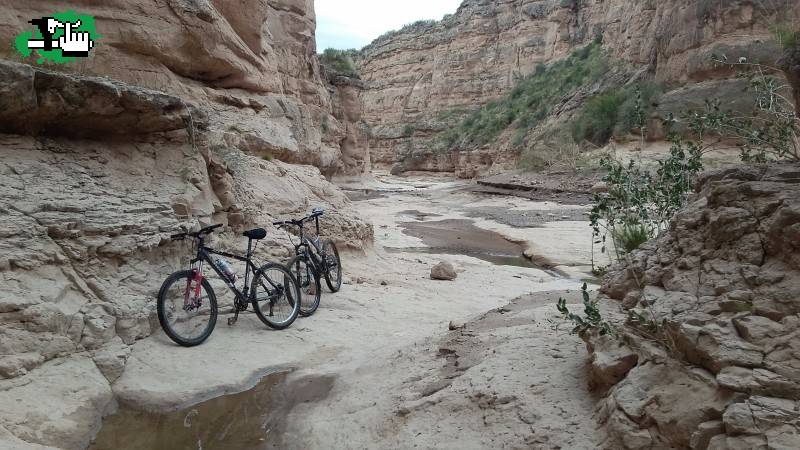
(196, 234)
(299, 222)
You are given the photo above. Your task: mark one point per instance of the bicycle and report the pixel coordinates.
(187, 304)
(307, 265)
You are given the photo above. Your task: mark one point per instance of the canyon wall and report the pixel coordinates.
(187, 112)
(417, 76)
(709, 356)
(253, 63)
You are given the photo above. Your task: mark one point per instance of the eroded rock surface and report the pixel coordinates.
(251, 63)
(717, 348)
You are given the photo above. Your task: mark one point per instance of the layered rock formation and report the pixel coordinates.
(711, 359)
(204, 114)
(252, 63)
(418, 76)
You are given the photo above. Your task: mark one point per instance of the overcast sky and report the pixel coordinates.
(344, 24)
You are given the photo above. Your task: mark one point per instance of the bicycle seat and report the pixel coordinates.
(317, 212)
(258, 233)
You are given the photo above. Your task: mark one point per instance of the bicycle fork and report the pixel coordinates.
(198, 281)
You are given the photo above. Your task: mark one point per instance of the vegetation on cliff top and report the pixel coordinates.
(615, 111)
(531, 100)
(339, 62)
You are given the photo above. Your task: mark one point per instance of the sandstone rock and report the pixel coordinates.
(705, 432)
(737, 378)
(58, 404)
(443, 271)
(728, 302)
(723, 442)
(453, 326)
(111, 359)
(610, 361)
(738, 419)
(10, 442)
(99, 327)
(757, 330)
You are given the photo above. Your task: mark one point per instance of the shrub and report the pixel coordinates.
(591, 320)
(631, 236)
(616, 112)
(598, 119)
(408, 130)
(339, 62)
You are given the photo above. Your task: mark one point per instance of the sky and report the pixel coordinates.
(344, 24)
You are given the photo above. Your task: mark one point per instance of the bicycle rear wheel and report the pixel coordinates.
(186, 317)
(310, 288)
(275, 296)
(333, 266)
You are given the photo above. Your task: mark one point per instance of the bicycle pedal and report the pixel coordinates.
(232, 321)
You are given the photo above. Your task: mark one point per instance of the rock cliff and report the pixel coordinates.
(710, 357)
(424, 72)
(253, 64)
(189, 112)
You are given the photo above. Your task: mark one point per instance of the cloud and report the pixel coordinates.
(344, 24)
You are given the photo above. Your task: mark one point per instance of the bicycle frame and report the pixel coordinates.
(317, 262)
(204, 255)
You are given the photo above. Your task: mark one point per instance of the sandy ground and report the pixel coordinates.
(376, 366)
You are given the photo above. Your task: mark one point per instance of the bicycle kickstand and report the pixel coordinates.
(232, 320)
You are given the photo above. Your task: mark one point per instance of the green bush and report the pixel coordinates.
(598, 119)
(530, 101)
(408, 130)
(616, 112)
(631, 236)
(339, 61)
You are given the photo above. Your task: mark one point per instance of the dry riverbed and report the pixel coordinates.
(378, 365)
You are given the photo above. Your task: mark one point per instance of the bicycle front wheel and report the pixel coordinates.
(187, 313)
(310, 288)
(333, 266)
(275, 296)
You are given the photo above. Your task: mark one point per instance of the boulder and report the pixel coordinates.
(443, 271)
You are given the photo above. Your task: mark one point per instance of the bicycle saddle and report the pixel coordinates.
(258, 233)
(317, 212)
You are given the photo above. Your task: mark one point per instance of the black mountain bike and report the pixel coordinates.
(187, 305)
(313, 258)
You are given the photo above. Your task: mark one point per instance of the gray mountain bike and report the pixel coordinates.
(314, 258)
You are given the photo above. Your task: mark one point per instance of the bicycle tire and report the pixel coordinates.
(334, 282)
(165, 312)
(264, 286)
(310, 286)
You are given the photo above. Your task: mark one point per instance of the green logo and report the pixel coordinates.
(59, 38)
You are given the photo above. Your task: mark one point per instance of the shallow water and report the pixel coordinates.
(462, 237)
(250, 420)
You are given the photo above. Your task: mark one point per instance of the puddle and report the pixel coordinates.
(250, 420)
(419, 215)
(500, 260)
(529, 219)
(462, 237)
(357, 195)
